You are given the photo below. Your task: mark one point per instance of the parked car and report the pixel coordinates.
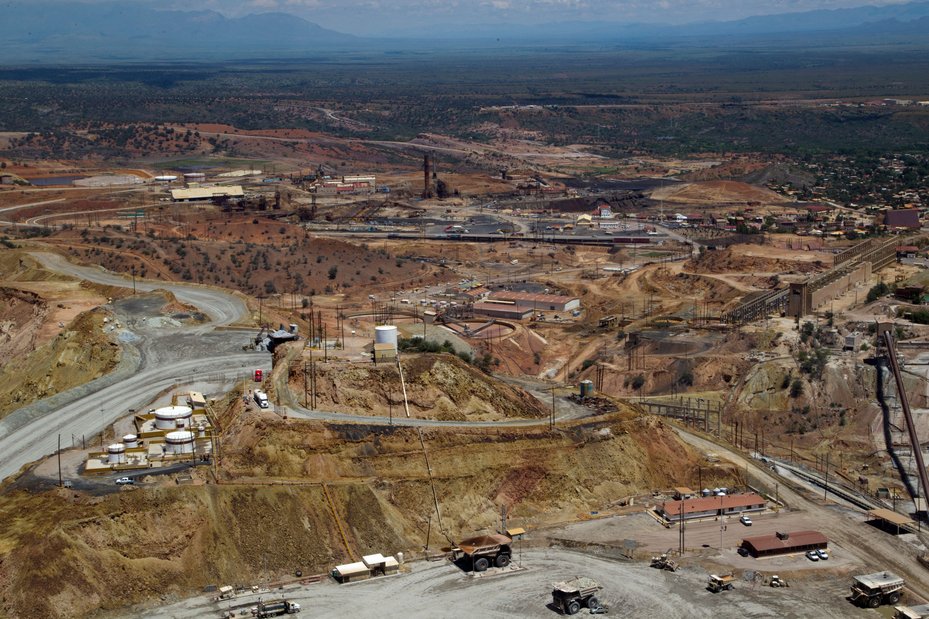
(812, 555)
(822, 554)
(746, 521)
(123, 481)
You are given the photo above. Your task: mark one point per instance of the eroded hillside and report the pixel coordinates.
(269, 514)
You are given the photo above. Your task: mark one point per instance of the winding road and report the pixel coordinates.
(156, 357)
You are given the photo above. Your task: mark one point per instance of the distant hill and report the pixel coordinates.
(64, 32)
(74, 31)
(909, 18)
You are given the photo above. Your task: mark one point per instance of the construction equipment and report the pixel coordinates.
(664, 562)
(275, 609)
(717, 584)
(777, 581)
(485, 550)
(872, 590)
(912, 612)
(572, 595)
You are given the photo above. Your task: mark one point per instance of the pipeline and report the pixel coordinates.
(422, 442)
(338, 521)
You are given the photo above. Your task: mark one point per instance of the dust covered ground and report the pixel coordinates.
(631, 589)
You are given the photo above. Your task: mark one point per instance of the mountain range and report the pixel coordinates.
(57, 32)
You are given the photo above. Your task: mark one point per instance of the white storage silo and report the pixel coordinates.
(171, 417)
(180, 442)
(386, 334)
(116, 453)
(131, 440)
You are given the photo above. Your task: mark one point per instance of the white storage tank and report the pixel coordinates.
(386, 334)
(171, 417)
(180, 442)
(116, 453)
(130, 441)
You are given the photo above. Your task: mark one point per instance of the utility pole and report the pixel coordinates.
(826, 485)
(552, 424)
(60, 483)
(305, 390)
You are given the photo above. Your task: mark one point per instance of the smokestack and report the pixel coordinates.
(427, 177)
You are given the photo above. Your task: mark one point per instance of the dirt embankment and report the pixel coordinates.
(271, 514)
(731, 261)
(51, 337)
(79, 354)
(438, 386)
(22, 314)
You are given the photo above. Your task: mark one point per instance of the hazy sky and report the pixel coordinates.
(384, 16)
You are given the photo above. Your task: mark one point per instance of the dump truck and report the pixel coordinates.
(275, 609)
(664, 562)
(484, 551)
(572, 595)
(912, 612)
(720, 583)
(872, 590)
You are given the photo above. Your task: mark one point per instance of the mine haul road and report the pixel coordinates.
(31, 432)
(153, 361)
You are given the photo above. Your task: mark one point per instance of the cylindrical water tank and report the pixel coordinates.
(201, 430)
(171, 417)
(587, 388)
(131, 440)
(385, 334)
(116, 453)
(180, 442)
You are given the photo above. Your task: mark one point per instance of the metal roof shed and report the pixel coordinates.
(350, 572)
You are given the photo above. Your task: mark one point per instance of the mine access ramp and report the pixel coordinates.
(572, 595)
(872, 590)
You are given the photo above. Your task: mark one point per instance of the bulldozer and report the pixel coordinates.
(777, 581)
(664, 562)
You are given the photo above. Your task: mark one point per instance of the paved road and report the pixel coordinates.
(156, 356)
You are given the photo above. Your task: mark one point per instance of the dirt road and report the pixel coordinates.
(155, 358)
(874, 548)
(630, 590)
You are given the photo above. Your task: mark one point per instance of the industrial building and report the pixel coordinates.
(495, 308)
(784, 543)
(347, 185)
(207, 193)
(711, 506)
(163, 435)
(538, 302)
(369, 566)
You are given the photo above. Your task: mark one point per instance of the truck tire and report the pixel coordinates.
(893, 598)
(573, 607)
(874, 602)
(593, 603)
(502, 560)
(481, 564)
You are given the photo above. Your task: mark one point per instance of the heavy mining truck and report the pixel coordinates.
(717, 584)
(275, 609)
(570, 596)
(484, 551)
(872, 590)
